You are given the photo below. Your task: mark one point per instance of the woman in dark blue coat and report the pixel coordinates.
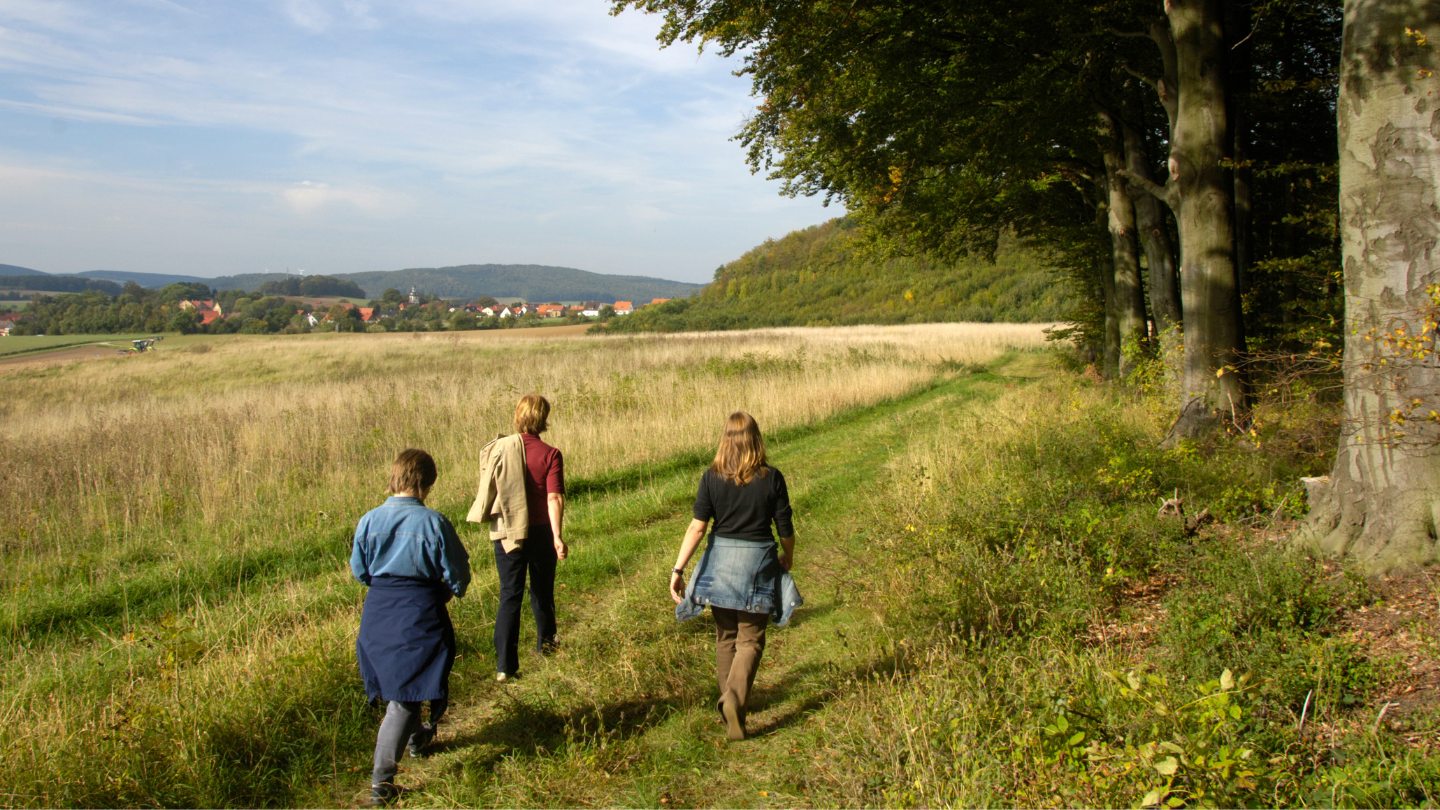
(414, 563)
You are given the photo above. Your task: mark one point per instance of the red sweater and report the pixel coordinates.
(544, 474)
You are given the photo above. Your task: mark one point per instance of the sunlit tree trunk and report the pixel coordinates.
(1382, 502)
(1126, 293)
(1199, 192)
(1155, 239)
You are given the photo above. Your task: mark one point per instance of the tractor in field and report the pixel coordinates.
(142, 345)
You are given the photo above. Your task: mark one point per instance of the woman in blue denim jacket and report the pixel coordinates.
(414, 563)
(742, 576)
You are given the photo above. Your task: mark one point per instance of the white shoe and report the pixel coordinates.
(501, 677)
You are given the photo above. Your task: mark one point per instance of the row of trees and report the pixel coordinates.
(1182, 161)
(137, 309)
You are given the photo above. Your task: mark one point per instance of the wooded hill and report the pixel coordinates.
(530, 282)
(821, 276)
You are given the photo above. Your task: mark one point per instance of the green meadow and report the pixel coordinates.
(995, 612)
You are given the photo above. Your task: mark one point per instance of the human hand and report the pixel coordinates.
(561, 550)
(786, 559)
(677, 587)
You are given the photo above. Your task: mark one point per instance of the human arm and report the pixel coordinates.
(784, 525)
(358, 564)
(454, 559)
(787, 552)
(555, 503)
(692, 539)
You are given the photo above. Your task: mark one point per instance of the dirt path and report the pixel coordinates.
(58, 356)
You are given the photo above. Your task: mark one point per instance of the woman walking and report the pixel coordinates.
(414, 563)
(742, 575)
(539, 547)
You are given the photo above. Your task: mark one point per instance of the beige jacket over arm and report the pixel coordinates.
(501, 499)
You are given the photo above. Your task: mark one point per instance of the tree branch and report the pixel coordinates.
(1154, 83)
(1165, 193)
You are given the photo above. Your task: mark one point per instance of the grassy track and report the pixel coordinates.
(623, 716)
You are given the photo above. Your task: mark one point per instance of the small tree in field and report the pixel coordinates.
(1382, 503)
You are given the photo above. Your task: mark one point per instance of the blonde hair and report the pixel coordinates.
(413, 471)
(742, 450)
(530, 414)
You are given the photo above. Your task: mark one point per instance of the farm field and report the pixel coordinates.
(25, 344)
(978, 549)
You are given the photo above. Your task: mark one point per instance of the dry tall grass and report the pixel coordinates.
(102, 452)
(173, 525)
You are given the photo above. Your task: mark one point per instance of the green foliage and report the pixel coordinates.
(312, 286)
(824, 276)
(59, 284)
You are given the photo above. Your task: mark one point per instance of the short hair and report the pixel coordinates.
(742, 450)
(531, 412)
(413, 471)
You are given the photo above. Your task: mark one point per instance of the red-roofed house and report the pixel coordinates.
(658, 300)
(367, 314)
(207, 317)
(201, 306)
(624, 307)
(550, 310)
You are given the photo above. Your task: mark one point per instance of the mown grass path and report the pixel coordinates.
(624, 714)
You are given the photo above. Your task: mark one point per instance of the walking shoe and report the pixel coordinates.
(422, 738)
(501, 677)
(383, 795)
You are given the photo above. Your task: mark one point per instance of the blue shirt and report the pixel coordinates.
(402, 538)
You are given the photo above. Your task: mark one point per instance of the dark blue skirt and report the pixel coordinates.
(407, 644)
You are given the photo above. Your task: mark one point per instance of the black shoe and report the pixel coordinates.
(383, 795)
(422, 738)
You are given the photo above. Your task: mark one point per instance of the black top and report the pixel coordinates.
(744, 513)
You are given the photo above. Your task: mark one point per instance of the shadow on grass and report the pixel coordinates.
(807, 688)
(528, 729)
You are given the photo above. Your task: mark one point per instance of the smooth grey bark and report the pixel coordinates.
(1199, 192)
(1164, 281)
(1126, 291)
(1382, 503)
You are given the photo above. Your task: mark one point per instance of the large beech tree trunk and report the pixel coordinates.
(1199, 192)
(1155, 239)
(1202, 193)
(1382, 503)
(1126, 291)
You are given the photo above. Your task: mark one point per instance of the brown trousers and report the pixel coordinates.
(739, 643)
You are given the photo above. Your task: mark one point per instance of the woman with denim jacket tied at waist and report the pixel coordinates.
(742, 576)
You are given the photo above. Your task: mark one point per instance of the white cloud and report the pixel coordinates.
(307, 14)
(541, 129)
(306, 197)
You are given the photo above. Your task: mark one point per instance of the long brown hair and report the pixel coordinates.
(742, 450)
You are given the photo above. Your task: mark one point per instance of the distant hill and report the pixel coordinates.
(818, 277)
(12, 270)
(152, 281)
(530, 282)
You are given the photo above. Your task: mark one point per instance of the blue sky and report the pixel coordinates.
(211, 138)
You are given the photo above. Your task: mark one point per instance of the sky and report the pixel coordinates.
(214, 137)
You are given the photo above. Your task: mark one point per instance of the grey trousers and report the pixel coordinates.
(401, 723)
